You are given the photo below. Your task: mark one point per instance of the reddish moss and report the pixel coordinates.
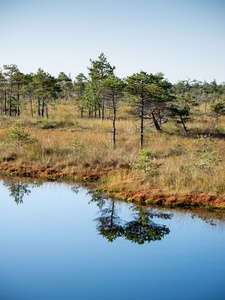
(150, 196)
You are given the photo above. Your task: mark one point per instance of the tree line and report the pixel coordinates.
(149, 96)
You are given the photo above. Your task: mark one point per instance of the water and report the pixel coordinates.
(59, 241)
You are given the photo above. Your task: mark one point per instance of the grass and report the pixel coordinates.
(77, 147)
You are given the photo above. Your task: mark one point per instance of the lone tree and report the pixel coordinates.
(100, 70)
(150, 95)
(138, 86)
(79, 88)
(159, 96)
(112, 88)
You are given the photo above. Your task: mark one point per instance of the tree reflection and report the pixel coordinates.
(211, 217)
(98, 198)
(139, 230)
(17, 190)
(142, 229)
(109, 223)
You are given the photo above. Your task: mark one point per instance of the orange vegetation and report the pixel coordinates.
(150, 196)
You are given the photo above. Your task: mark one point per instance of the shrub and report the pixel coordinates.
(205, 156)
(19, 137)
(146, 163)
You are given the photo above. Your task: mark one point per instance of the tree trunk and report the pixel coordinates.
(46, 111)
(5, 109)
(160, 118)
(206, 102)
(112, 213)
(103, 109)
(10, 103)
(142, 124)
(81, 112)
(183, 123)
(156, 124)
(43, 108)
(114, 121)
(31, 107)
(39, 107)
(2, 105)
(18, 104)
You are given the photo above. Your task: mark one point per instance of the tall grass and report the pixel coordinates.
(72, 144)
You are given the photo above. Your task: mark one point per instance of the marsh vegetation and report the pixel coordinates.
(140, 133)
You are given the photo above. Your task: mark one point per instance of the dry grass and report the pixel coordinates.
(69, 143)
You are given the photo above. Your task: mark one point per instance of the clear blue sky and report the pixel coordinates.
(182, 39)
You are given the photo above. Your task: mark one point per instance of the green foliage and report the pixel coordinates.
(10, 70)
(46, 86)
(114, 84)
(178, 110)
(142, 228)
(79, 88)
(46, 90)
(91, 96)
(81, 151)
(100, 69)
(75, 144)
(205, 156)
(66, 85)
(150, 93)
(53, 124)
(178, 148)
(18, 136)
(146, 162)
(17, 190)
(217, 110)
(179, 113)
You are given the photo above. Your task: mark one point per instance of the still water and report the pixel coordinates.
(61, 241)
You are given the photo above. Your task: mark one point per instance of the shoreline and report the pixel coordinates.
(149, 197)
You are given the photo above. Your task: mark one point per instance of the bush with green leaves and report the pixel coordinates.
(146, 162)
(19, 137)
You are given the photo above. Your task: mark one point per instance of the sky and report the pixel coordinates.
(182, 39)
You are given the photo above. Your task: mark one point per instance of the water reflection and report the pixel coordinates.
(97, 198)
(142, 229)
(18, 189)
(109, 223)
(211, 217)
(61, 248)
(139, 229)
